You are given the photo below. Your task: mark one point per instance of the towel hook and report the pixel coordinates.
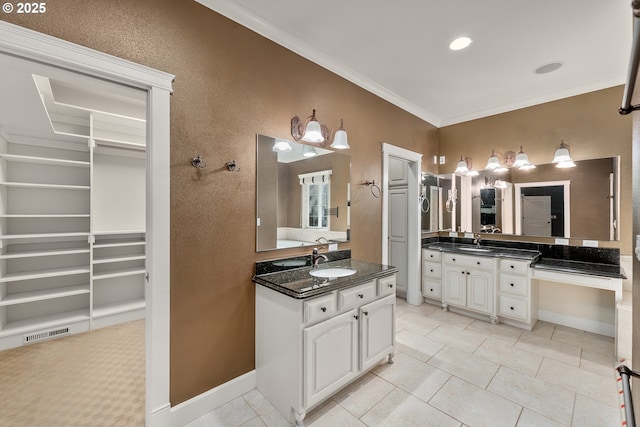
(375, 188)
(198, 162)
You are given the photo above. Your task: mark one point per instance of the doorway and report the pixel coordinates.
(408, 207)
(543, 207)
(64, 57)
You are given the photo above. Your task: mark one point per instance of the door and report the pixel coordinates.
(454, 285)
(378, 339)
(398, 234)
(536, 215)
(330, 356)
(480, 290)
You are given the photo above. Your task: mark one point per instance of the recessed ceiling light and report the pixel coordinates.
(460, 43)
(548, 68)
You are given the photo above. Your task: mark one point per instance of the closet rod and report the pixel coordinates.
(626, 107)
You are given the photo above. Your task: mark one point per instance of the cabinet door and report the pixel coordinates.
(454, 285)
(378, 330)
(480, 292)
(330, 356)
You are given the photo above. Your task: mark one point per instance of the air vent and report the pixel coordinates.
(28, 339)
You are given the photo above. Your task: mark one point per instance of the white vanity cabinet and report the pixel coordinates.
(432, 274)
(517, 295)
(469, 282)
(306, 350)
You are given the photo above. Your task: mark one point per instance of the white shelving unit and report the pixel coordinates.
(72, 222)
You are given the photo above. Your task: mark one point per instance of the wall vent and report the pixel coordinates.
(27, 339)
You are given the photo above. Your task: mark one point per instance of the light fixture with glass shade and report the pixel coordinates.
(562, 158)
(312, 131)
(522, 161)
(282, 146)
(340, 140)
(462, 168)
(493, 162)
(309, 151)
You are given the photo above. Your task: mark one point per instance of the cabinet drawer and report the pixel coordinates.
(432, 269)
(515, 308)
(516, 285)
(486, 263)
(387, 285)
(431, 289)
(320, 308)
(353, 297)
(431, 255)
(514, 267)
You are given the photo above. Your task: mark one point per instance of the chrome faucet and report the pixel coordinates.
(477, 239)
(315, 257)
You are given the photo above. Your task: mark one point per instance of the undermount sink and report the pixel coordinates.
(475, 249)
(332, 273)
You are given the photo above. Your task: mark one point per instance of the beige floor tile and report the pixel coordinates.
(452, 319)
(464, 340)
(547, 399)
(598, 362)
(602, 388)
(523, 361)
(420, 347)
(264, 409)
(416, 322)
(413, 376)
(542, 329)
(528, 418)
(400, 408)
(589, 412)
(255, 422)
(331, 414)
(588, 341)
(362, 395)
(474, 406)
(507, 334)
(466, 366)
(402, 306)
(232, 414)
(567, 353)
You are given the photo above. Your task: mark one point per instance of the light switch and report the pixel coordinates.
(258, 222)
(442, 160)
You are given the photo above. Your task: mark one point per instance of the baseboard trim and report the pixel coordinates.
(160, 417)
(209, 400)
(588, 325)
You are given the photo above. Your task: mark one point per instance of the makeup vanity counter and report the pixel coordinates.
(316, 335)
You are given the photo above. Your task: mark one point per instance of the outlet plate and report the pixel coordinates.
(442, 160)
(562, 241)
(468, 235)
(590, 243)
(453, 234)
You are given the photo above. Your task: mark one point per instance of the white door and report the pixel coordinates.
(536, 215)
(330, 356)
(377, 330)
(454, 285)
(398, 234)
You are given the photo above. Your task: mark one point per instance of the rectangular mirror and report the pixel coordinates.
(429, 199)
(302, 194)
(578, 203)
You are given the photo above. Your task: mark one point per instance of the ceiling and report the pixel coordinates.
(399, 50)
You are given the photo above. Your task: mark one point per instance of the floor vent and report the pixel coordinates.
(27, 339)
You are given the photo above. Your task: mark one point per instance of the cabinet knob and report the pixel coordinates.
(366, 313)
(360, 296)
(390, 285)
(355, 317)
(431, 290)
(453, 259)
(323, 309)
(431, 256)
(512, 266)
(468, 273)
(511, 284)
(478, 262)
(511, 308)
(431, 270)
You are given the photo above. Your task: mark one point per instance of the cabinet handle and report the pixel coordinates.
(511, 284)
(430, 256)
(478, 262)
(511, 308)
(431, 270)
(355, 317)
(453, 259)
(431, 290)
(390, 285)
(323, 309)
(468, 273)
(512, 266)
(360, 296)
(366, 313)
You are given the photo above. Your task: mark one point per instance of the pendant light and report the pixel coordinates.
(340, 140)
(562, 158)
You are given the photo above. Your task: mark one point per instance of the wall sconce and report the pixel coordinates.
(309, 151)
(562, 158)
(281, 146)
(494, 165)
(312, 131)
(462, 168)
(340, 140)
(522, 161)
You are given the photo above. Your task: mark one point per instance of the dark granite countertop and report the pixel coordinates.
(488, 251)
(298, 283)
(580, 267)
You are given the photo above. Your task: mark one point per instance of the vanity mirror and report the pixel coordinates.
(579, 203)
(429, 199)
(302, 194)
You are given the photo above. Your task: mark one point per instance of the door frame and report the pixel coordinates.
(414, 294)
(567, 203)
(34, 46)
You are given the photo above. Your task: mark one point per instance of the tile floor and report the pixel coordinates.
(451, 370)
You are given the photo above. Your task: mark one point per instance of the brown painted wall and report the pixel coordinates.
(230, 84)
(589, 123)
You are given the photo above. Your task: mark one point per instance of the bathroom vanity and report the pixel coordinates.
(314, 335)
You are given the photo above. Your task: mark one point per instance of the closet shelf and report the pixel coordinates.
(44, 186)
(41, 253)
(44, 216)
(119, 243)
(115, 232)
(45, 322)
(123, 258)
(41, 274)
(119, 273)
(42, 235)
(46, 294)
(44, 161)
(117, 308)
(120, 143)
